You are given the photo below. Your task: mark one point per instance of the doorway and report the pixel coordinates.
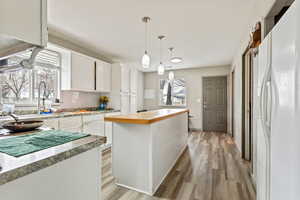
(215, 104)
(232, 103)
(247, 106)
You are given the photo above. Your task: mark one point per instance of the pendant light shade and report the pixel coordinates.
(146, 57)
(161, 67)
(171, 76)
(146, 60)
(174, 60)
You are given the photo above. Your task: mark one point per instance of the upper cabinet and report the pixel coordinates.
(103, 76)
(82, 72)
(23, 25)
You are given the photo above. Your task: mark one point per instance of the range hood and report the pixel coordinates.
(7, 66)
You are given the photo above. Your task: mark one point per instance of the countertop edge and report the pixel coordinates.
(143, 121)
(14, 174)
(59, 115)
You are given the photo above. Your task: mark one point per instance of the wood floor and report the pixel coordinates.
(209, 169)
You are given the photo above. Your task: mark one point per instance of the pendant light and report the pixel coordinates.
(161, 67)
(174, 60)
(146, 58)
(171, 73)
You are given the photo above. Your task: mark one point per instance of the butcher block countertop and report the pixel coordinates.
(146, 117)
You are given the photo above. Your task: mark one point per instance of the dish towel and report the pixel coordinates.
(26, 144)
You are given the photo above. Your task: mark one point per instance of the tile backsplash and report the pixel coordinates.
(74, 99)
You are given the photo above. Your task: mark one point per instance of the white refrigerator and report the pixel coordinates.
(278, 130)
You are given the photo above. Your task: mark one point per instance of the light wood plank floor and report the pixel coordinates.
(209, 169)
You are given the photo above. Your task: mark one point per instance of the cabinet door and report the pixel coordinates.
(109, 129)
(103, 76)
(93, 124)
(133, 81)
(107, 78)
(133, 103)
(125, 79)
(52, 123)
(83, 73)
(24, 20)
(72, 124)
(125, 104)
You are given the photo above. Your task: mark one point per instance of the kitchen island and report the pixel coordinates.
(146, 146)
(71, 171)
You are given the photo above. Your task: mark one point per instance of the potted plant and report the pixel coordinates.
(103, 102)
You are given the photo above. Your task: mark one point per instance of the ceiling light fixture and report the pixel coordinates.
(146, 58)
(161, 67)
(174, 60)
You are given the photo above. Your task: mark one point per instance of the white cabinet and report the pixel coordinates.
(52, 123)
(93, 124)
(125, 103)
(109, 129)
(83, 72)
(23, 21)
(129, 93)
(133, 103)
(133, 81)
(103, 76)
(125, 79)
(72, 124)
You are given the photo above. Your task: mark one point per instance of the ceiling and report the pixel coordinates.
(203, 32)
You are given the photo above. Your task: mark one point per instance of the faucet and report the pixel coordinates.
(39, 96)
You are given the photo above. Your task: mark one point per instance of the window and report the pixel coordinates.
(172, 93)
(21, 87)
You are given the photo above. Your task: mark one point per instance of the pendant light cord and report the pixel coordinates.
(146, 37)
(160, 51)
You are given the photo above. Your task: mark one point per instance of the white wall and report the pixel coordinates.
(193, 78)
(260, 11)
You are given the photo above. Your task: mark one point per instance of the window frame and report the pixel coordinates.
(32, 99)
(171, 106)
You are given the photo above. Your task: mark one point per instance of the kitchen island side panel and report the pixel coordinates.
(169, 140)
(131, 156)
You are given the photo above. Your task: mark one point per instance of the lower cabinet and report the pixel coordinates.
(52, 123)
(89, 124)
(72, 124)
(109, 129)
(93, 124)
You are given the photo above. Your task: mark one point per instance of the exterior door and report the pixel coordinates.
(215, 104)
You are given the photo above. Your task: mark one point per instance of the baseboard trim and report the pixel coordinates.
(132, 188)
(196, 129)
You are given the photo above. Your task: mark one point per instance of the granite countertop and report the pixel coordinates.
(146, 117)
(12, 168)
(56, 115)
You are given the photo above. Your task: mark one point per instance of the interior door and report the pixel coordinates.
(215, 104)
